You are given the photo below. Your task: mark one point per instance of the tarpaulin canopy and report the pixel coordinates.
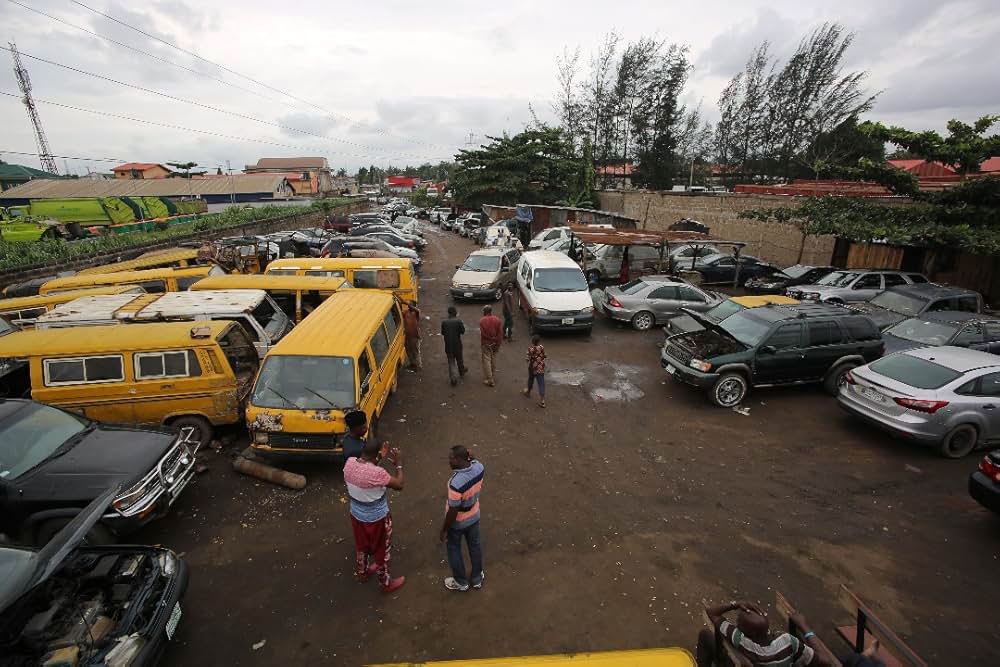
(623, 237)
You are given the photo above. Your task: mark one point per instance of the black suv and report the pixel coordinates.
(898, 303)
(771, 345)
(53, 463)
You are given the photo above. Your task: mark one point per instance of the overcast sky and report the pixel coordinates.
(404, 82)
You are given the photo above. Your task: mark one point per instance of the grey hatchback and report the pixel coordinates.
(945, 327)
(944, 396)
(651, 300)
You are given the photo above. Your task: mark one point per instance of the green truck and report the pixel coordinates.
(86, 216)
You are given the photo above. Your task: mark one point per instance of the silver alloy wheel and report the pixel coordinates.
(730, 391)
(643, 321)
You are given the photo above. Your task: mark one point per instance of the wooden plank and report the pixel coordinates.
(890, 641)
(848, 634)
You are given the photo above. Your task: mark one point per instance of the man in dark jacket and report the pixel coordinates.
(452, 330)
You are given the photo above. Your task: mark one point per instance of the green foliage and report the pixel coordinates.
(537, 166)
(965, 147)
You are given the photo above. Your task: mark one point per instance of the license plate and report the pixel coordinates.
(175, 618)
(872, 395)
(670, 369)
(567, 320)
(468, 295)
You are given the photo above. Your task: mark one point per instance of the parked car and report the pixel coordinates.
(897, 303)
(798, 274)
(547, 236)
(854, 285)
(71, 604)
(393, 238)
(606, 262)
(440, 214)
(948, 397)
(687, 251)
(721, 269)
(771, 345)
(684, 322)
(484, 274)
(984, 483)
(53, 463)
(945, 327)
(553, 293)
(652, 300)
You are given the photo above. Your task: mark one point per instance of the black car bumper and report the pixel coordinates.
(489, 293)
(574, 322)
(157, 640)
(985, 491)
(686, 374)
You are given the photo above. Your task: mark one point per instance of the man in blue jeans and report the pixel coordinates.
(462, 519)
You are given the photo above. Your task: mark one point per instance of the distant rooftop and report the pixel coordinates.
(290, 163)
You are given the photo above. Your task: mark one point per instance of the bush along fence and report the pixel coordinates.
(25, 261)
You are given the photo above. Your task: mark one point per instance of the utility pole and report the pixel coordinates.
(470, 141)
(24, 83)
(232, 184)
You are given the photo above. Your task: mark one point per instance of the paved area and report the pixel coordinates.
(607, 518)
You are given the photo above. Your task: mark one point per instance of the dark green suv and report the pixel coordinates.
(769, 346)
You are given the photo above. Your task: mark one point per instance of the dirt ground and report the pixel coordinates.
(607, 518)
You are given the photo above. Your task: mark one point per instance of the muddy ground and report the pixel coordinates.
(607, 518)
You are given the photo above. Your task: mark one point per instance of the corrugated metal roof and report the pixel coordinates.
(291, 163)
(139, 166)
(95, 279)
(19, 302)
(159, 187)
(628, 237)
(233, 281)
(172, 305)
(147, 261)
(353, 312)
(106, 339)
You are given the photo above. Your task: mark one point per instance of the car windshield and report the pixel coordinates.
(31, 435)
(560, 280)
(489, 263)
(724, 310)
(305, 383)
(899, 303)
(796, 271)
(922, 331)
(914, 371)
(744, 328)
(837, 279)
(633, 286)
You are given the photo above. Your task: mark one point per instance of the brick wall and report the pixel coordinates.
(779, 243)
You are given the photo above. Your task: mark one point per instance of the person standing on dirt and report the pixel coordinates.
(461, 520)
(751, 635)
(411, 329)
(452, 330)
(367, 486)
(536, 369)
(508, 312)
(490, 336)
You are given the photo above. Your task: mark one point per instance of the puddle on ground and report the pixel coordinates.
(612, 383)
(573, 378)
(621, 389)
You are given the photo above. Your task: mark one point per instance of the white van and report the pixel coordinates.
(550, 235)
(259, 315)
(484, 274)
(553, 292)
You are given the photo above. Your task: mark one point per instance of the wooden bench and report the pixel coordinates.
(868, 627)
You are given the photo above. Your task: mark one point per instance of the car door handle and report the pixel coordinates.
(989, 406)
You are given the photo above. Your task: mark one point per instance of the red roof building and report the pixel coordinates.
(990, 166)
(923, 168)
(140, 171)
(402, 183)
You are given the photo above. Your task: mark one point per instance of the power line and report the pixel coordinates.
(251, 79)
(209, 107)
(117, 160)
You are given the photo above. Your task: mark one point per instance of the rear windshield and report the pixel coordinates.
(724, 310)
(747, 330)
(914, 371)
(633, 286)
(305, 383)
(837, 279)
(899, 303)
(796, 271)
(560, 280)
(923, 331)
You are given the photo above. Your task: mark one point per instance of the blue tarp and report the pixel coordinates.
(523, 213)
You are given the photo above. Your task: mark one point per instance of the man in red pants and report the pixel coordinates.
(367, 485)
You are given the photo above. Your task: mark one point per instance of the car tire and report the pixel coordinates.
(498, 294)
(959, 442)
(96, 536)
(202, 434)
(834, 379)
(729, 390)
(643, 320)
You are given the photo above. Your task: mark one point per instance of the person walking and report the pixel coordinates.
(490, 336)
(536, 369)
(411, 329)
(452, 330)
(461, 520)
(508, 312)
(367, 486)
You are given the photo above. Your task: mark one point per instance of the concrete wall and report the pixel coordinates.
(775, 242)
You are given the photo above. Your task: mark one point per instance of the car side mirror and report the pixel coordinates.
(768, 349)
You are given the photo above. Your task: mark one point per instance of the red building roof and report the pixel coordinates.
(402, 181)
(990, 166)
(923, 168)
(138, 166)
(624, 169)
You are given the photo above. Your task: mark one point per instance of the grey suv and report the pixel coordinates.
(854, 285)
(897, 303)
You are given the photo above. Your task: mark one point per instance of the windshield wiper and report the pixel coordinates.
(325, 399)
(286, 400)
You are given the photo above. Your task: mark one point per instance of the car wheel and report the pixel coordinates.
(729, 390)
(836, 378)
(96, 536)
(960, 441)
(498, 294)
(643, 321)
(200, 433)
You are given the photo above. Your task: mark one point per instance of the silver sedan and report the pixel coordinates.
(650, 300)
(945, 396)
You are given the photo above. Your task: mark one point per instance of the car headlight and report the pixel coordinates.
(126, 650)
(587, 310)
(811, 296)
(261, 437)
(168, 563)
(541, 311)
(700, 365)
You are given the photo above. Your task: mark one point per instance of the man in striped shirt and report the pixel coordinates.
(462, 519)
(751, 635)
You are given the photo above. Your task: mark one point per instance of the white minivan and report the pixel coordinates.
(259, 315)
(553, 292)
(550, 235)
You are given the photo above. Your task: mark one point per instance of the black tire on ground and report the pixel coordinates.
(835, 378)
(643, 320)
(960, 441)
(96, 536)
(498, 294)
(729, 390)
(202, 434)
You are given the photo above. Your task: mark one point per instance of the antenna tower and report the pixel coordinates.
(24, 83)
